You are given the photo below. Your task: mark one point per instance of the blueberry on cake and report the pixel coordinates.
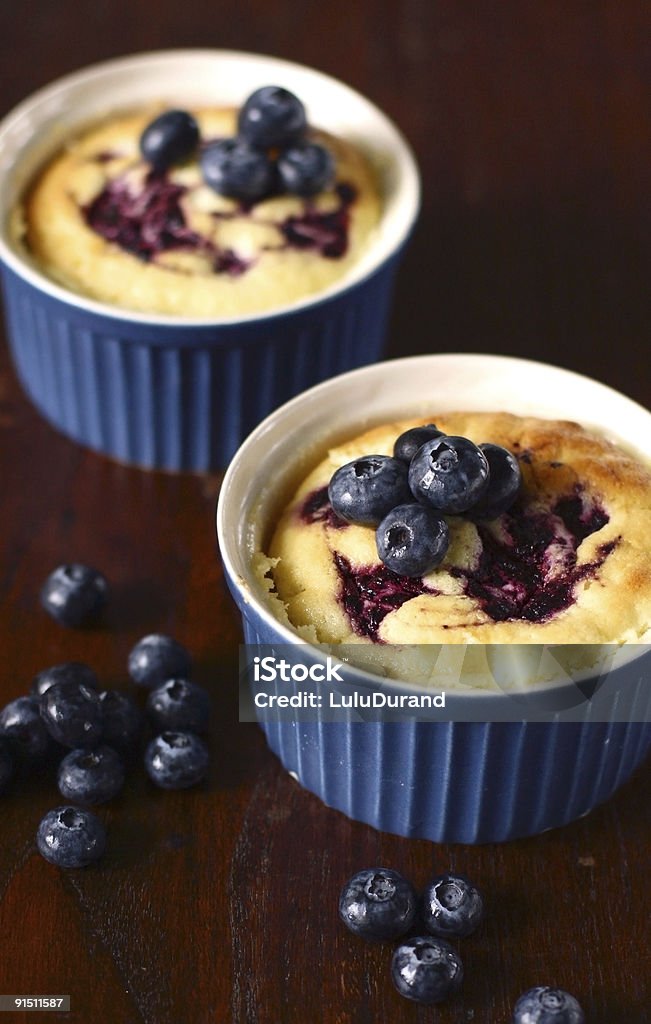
(467, 528)
(204, 213)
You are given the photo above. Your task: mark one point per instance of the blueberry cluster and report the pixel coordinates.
(407, 496)
(270, 155)
(380, 904)
(89, 736)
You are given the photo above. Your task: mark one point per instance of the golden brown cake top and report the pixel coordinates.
(569, 563)
(99, 222)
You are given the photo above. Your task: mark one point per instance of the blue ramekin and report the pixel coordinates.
(173, 393)
(447, 781)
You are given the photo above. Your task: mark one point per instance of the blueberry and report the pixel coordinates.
(547, 1006)
(6, 763)
(74, 594)
(272, 117)
(179, 704)
(72, 714)
(503, 485)
(176, 760)
(449, 474)
(21, 725)
(70, 837)
(451, 906)
(364, 491)
(378, 904)
(233, 168)
(412, 540)
(122, 720)
(157, 658)
(426, 969)
(169, 138)
(91, 776)
(305, 169)
(66, 672)
(408, 443)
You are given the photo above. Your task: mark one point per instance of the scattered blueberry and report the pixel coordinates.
(176, 760)
(412, 540)
(66, 672)
(547, 1006)
(22, 726)
(408, 443)
(179, 704)
(91, 776)
(233, 168)
(451, 906)
(122, 720)
(157, 658)
(305, 169)
(72, 714)
(272, 117)
(70, 837)
(169, 138)
(503, 486)
(363, 491)
(378, 904)
(74, 594)
(6, 763)
(426, 969)
(449, 474)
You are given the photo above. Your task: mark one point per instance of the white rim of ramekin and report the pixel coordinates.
(405, 205)
(232, 524)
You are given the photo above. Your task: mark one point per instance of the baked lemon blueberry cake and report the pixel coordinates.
(480, 528)
(203, 213)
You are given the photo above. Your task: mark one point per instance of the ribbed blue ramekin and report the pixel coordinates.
(455, 781)
(182, 398)
(168, 392)
(449, 781)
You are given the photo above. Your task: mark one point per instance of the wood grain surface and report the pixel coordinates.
(532, 127)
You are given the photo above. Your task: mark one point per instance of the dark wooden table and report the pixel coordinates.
(532, 125)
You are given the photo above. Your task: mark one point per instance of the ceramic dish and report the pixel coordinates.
(165, 391)
(466, 780)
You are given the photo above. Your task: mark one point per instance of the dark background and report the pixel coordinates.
(532, 126)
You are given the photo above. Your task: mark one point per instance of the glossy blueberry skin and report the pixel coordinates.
(169, 138)
(233, 168)
(449, 474)
(23, 728)
(408, 443)
(451, 907)
(378, 904)
(176, 760)
(412, 540)
(305, 169)
(179, 704)
(156, 658)
(122, 720)
(74, 594)
(71, 837)
(363, 491)
(72, 714)
(66, 672)
(272, 117)
(7, 764)
(503, 486)
(543, 1005)
(91, 776)
(426, 970)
